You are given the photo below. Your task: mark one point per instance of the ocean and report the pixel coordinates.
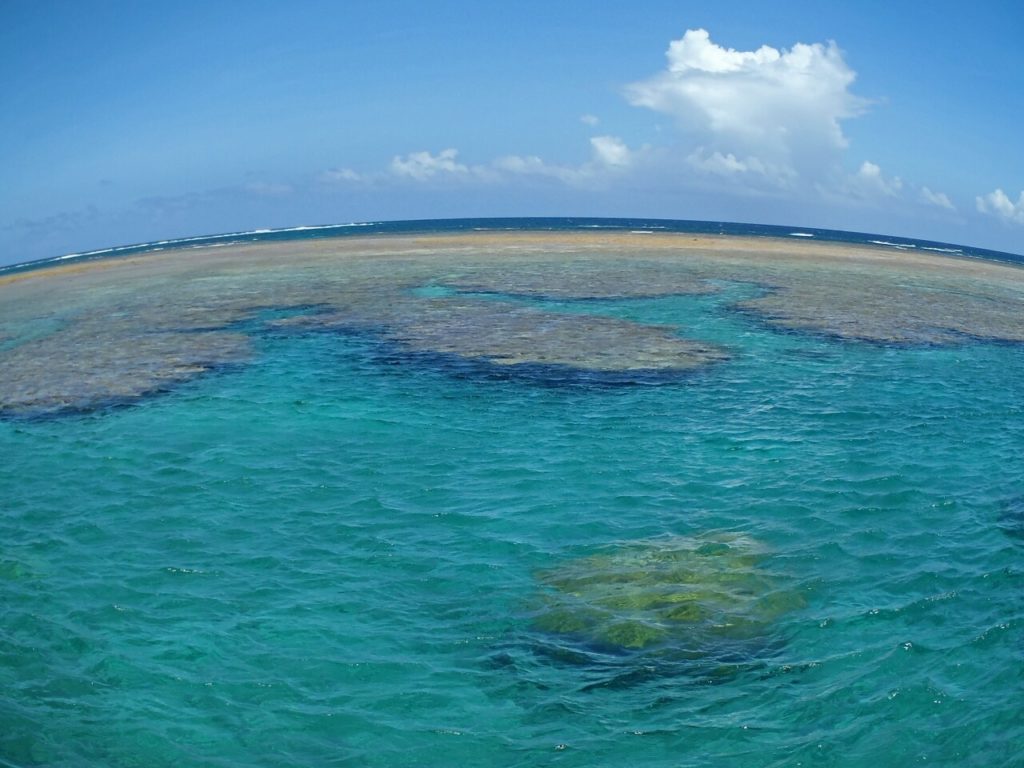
(513, 493)
(551, 224)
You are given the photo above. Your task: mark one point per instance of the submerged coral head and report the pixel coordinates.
(707, 596)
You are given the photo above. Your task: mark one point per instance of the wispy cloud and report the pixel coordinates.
(611, 152)
(739, 169)
(268, 188)
(62, 221)
(940, 199)
(340, 174)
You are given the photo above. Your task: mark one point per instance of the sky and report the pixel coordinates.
(127, 122)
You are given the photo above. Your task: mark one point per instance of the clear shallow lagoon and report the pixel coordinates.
(340, 545)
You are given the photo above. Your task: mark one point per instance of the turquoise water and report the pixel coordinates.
(333, 555)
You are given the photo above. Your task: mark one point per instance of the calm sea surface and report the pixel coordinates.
(339, 555)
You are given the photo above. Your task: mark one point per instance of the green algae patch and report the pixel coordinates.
(696, 597)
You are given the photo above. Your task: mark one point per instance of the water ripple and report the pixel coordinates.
(317, 559)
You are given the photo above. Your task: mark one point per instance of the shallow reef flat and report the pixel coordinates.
(87, 334)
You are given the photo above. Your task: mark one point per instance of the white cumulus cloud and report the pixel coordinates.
(762, 123)
(998, 204)
(871, 181)
(782, 109)
(423, 165)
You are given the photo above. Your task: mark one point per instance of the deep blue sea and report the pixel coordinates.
(811, 553)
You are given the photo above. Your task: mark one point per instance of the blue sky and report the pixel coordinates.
(128, 122)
